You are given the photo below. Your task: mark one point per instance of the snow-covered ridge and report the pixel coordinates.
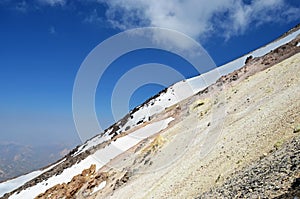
(179, 92)
(213, 75)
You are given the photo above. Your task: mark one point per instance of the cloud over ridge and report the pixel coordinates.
(197, 18)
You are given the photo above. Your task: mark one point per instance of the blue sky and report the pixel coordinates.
(44, 42)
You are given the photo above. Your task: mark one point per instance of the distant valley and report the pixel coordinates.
(17, 159)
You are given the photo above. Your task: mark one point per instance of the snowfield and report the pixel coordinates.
(10, 185)
(184, 89)
(99, 158)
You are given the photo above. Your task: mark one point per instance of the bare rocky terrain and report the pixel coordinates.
(238, 138)
(273, 176)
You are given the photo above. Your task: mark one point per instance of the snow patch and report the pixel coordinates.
(99, 187)
(99, 158)
(93, 142)
(10, 185)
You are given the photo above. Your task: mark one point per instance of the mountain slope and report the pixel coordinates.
(255, 124)
(17, 159)
(164, 153)
(265, 177)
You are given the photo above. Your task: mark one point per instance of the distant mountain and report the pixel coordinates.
(17, 159)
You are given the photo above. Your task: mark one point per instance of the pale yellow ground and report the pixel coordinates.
(247, 119)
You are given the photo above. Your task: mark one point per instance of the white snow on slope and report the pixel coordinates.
(10, 185)
(238, 63)
(185, 89)
(213, 75)
(189, 87)
(93, 142)
(99, 187)
(100, 158)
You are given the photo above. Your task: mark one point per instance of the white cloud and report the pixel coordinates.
(93, 17)
(53, 2)
(199, 18)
